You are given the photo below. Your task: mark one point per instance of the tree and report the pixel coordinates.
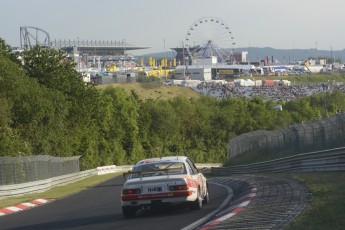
(159, 128)
(53, 69)
(9, 64)
(11, 144)
(6, 51)
(124, 121)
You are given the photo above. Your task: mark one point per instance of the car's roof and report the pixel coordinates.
(163, 159)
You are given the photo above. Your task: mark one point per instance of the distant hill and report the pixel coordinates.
(169, 54)
(286, 55)
(280, 55)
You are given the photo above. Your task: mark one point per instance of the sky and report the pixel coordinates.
(161, 24)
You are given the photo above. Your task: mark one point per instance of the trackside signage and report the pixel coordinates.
(106, 169)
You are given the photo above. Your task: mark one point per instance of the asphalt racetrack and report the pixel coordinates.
(99, 207)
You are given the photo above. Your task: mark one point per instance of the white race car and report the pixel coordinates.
(163, 181)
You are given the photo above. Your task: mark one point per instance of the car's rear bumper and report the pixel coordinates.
(158, 198)
(157, 195)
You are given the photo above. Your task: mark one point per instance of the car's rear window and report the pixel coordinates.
(157, 169)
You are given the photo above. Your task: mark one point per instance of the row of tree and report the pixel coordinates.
(46, 108)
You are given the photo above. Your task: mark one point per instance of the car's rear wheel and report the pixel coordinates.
(206, 198)
(128, 212)
(197, 204)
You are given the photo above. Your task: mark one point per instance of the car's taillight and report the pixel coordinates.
(178, 187)
(131, 191)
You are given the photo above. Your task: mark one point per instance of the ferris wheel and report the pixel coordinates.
(210, 36)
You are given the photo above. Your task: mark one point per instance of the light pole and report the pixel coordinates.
(77, 55)
(184, 61)
(325, 89)
(164, 58)
(317, 58)
(124, 53)
(276, 108)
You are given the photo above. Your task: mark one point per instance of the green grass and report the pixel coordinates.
(326, 208)
(57, 192)
(154, 90)
(249, 158)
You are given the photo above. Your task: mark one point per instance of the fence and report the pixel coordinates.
(299, 138)
(320, 161)
(15, 170)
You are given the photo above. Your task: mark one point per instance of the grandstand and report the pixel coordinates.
(95, 48)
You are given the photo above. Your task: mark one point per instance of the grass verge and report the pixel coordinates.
(57, 192)
(326, 208)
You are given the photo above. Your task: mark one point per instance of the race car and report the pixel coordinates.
(163, 181)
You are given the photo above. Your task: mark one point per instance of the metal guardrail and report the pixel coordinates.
(327, 160)
(43, 185)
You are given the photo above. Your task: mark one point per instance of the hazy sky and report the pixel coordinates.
(281, 24)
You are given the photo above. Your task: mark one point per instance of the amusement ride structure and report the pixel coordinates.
(210, 36)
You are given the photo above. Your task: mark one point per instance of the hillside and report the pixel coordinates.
(153, 90)
(286, 55)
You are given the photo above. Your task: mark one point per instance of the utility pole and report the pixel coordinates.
(164, 64)
(184, 61)
(317, 56)
(124, 53)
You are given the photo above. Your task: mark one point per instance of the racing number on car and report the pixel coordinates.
(155, 189)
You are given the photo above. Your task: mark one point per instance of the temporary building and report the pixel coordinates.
(258, 83)
(269, 83)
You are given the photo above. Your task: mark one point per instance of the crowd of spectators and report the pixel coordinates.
(275, 93)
